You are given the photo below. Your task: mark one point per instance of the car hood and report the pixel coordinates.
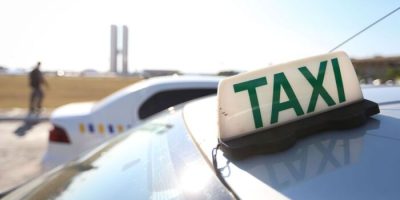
(73, 110)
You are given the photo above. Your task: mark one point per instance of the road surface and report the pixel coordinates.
(22, 146)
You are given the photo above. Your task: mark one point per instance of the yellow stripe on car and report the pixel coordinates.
(120, 128)
(82, 128)
(101, 128)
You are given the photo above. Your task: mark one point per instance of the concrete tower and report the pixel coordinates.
(119, 49)
(125, 50)
(114, 50)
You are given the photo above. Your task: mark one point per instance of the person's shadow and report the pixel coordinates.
(29, 122)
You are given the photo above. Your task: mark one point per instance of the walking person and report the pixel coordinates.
(36, 80)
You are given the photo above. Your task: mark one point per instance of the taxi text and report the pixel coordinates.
(280, 82)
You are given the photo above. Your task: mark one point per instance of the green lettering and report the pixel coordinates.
(318, 88)
(251, 86)
(339, 81)
(280, 80)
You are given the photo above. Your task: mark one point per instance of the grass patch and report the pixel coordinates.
(15, 90)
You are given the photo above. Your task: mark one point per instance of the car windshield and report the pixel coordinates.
(157, 160)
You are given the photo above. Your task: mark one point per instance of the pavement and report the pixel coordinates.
(23, 141)
(9, 114)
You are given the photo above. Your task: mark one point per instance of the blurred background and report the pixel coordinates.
(103, 40)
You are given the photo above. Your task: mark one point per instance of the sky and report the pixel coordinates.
(191, 36)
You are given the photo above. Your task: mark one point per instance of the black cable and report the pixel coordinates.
(366, 28)
(218, 172)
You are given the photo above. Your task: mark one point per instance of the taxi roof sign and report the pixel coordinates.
(277, 95)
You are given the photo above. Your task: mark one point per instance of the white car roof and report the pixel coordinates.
(359, 163)
(166, 81)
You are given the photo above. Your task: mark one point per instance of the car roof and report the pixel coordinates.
(358, 163)
(185, 81)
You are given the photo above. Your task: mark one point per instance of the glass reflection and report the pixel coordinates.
(310, 157)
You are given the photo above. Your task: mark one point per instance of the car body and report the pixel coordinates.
(170, 156)
(80, 126)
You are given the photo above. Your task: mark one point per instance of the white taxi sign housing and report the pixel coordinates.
(273, 96)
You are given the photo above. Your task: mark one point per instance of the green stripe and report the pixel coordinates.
(317, 84)
(339, 81)
(280, 80)
(251, 86)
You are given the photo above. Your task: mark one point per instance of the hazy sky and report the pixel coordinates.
(191, 36)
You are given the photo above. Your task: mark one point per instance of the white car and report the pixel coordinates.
(77, 127)
(350, 151)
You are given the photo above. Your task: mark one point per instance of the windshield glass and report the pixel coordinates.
(155, 161)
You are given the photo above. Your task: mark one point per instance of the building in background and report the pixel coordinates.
(119, 50)
(383, 68)
(154, 73)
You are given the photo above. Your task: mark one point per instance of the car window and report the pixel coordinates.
(163, 100)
